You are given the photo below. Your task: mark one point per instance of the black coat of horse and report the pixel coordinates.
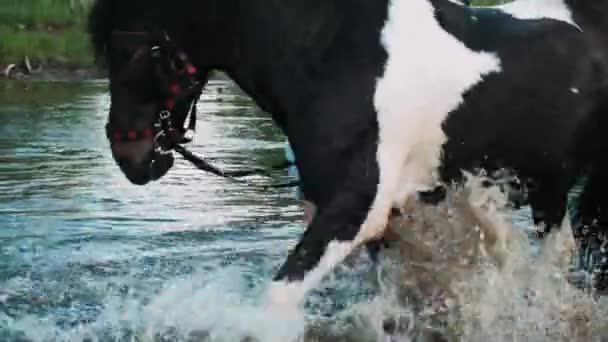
(382, 101)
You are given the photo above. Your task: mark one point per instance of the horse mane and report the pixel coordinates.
(99, 26)
(593, 12)
(136, 15)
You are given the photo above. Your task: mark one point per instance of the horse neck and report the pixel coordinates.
(590, 14)
(276, 42)
(284, 48)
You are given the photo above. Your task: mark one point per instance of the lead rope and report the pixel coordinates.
(203, 165)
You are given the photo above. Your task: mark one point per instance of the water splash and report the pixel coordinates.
(459, 271)
(215, 306)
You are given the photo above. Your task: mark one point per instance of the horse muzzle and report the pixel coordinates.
(140, 161)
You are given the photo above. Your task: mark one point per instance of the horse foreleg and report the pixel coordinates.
(592, 230)
(357, 215)
(548, 201)
(328, 240)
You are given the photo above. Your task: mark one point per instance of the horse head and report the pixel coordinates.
(154, 82)
(153, 88)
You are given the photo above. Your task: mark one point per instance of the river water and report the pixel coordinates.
(86, 256)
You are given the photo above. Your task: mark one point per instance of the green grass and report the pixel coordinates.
(488, 2)
(43, 12)
(44, 29)
(71, 47)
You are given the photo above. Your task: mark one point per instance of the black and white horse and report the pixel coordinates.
(382, 101)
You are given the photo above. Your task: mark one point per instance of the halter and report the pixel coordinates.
(164, 134)
(168, 138)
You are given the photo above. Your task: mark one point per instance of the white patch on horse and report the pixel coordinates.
(574, 90)
(288, 295)
(427, 72)
(539, 9)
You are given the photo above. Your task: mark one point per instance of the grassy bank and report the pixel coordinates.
(51, 31)
(487, 2)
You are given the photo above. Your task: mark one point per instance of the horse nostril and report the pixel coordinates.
(133, 152)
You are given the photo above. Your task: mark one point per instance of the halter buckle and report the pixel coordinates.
(164, 114)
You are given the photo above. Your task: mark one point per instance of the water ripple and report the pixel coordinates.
(74, 229)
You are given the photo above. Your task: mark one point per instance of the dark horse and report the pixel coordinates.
(382, 101)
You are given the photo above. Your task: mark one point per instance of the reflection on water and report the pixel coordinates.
(75, 232)
(86, 256)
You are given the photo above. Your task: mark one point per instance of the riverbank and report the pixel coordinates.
(52, 71)
(47, 40)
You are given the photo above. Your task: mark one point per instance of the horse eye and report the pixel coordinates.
(179, 64)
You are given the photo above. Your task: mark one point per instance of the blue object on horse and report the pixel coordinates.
(292, 171)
